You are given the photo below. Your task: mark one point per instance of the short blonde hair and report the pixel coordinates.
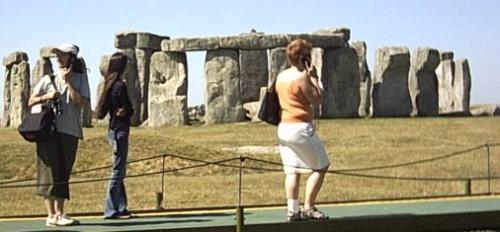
(296, 50)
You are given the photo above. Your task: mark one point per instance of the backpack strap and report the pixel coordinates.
(52, 78)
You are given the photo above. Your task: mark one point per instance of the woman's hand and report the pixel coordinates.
(120, 112)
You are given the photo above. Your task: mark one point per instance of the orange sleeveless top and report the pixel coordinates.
(294, 104)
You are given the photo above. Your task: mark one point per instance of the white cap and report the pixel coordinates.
(67, 48)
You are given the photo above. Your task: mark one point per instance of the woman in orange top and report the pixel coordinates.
(300, 148)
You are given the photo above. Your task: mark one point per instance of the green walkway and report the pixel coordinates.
(424, 215)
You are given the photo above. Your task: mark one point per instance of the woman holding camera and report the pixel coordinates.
(70, 88)
(300, 148)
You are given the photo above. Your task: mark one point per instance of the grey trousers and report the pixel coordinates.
(55, 159)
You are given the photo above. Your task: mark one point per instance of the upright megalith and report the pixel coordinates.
(139, 47)
(340, 78)
(462, 86)
(222, 87)
(253, 73)
(43, 65)
(365, 80)
(423, 83)
(390, 95)
(168, 84)
(16, 88)
(279, 63)
(445, 73)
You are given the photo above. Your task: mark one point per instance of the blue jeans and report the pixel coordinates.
(116, 197)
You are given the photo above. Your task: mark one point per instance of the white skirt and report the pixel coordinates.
(300, 148)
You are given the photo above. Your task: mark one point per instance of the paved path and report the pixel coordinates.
(364, 216)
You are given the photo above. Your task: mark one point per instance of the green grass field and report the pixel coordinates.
(353, 143)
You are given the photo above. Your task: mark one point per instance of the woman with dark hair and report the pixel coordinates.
(300, 148)
(114, 101)
(69, 88)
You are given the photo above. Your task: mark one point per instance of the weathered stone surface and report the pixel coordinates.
(423, 84)
(390, 95)
(43, 67)
(46, 52)
(252, 110)
(132, 39)
(279, 63)
(14, 58)
(255, 41)
(133, 85)
(485, 110)
(103, 67)
(365, 80)
(346, 32)
(143, 57)
(340, 78)
(16, 89)
(445, 73)
(126, 39)
(168, 89)
(253, 74)
(462, 86)
(222, 92)
(149, 41)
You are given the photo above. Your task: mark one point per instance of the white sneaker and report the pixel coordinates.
(51, 221)
(64, 220)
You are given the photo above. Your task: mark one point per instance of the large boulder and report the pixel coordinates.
(390, 95)
(279, 63)
(168, 89)
(445, 73)
(340, 78)
(43, 67)
(423, 84)
(365, 80)
(485, 110)
(222, 87)
(462, 86)
(253, 74)
(16, 89)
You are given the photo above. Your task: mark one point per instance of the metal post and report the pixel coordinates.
(160, 195)
(468, 187)
(239, 209)
(489, 168)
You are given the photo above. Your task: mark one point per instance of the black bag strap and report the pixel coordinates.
(52, 80)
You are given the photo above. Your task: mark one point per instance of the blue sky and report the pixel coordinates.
(470, 28)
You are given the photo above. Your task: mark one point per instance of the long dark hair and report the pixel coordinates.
(117, 65)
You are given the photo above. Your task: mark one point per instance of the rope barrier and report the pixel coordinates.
(222, 163)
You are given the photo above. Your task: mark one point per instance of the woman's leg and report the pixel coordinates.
(313, 185)
(116, 199)
(292, 187)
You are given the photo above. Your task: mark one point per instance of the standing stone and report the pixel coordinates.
(133, 85)
(16, 89)
(139, 47)
(143, 57)
(340, 78)
(168, 89)
(390, 95)
(279, 63)
(103, 68)
(253, 74)
(445, 73)
(423, 84)
(222, 87)
(365, 80)
(462, 86)
(43, 65)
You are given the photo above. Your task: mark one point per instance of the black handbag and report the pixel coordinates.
(270, 108)
(39, 127)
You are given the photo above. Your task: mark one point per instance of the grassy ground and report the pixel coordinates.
(354, 143)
